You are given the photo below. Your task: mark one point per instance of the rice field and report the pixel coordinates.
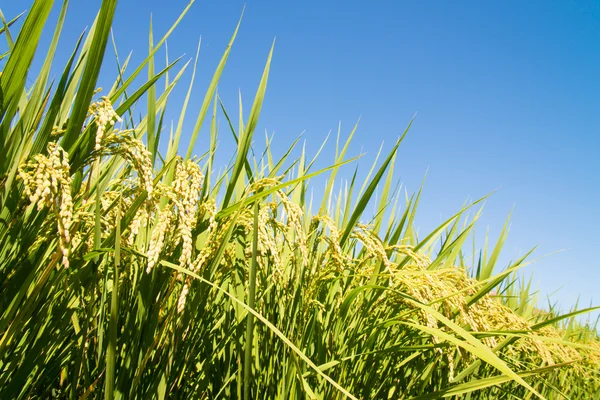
(131, 273)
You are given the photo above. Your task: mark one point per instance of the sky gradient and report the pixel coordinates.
(507, 96)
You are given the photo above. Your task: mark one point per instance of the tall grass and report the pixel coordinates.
(127, 273)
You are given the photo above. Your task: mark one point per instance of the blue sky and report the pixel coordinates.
(507, 96)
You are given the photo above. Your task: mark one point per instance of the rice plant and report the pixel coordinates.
(131, 273)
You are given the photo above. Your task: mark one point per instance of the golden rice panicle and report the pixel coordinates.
(263, 183)
(134, 151)
(454, 286)
(294, 221)
(406, 250)
(139, 221)
(187, 185)
(47, 181)
(158, 238)
(209, 208)
(267, 225)
(85, 225)
(104, 115)
(110, 211)
(336, 255)
(267, 242)
(214, 239)
(183, 296)
(373, 247)
(183, 196)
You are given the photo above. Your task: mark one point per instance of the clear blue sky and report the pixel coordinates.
(507, 95)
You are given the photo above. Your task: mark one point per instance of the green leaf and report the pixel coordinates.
(87, 86)
(366, 196)
(14, 74)
(246, 137)
(212, 87)
(478, 384)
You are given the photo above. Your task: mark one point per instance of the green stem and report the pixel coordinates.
(250, 318)
(114, 315)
